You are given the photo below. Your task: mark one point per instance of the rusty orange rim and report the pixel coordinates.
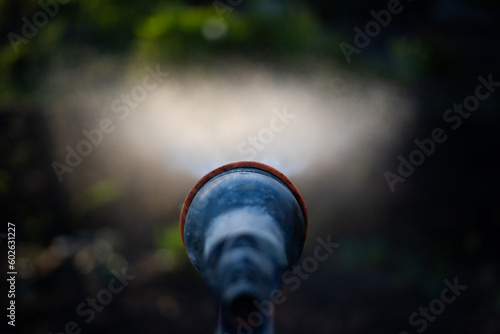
(242, 164)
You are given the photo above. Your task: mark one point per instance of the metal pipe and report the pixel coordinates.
(242, 226)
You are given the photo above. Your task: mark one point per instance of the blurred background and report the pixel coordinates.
(169, 90)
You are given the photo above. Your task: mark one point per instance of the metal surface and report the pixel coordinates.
(242, 225)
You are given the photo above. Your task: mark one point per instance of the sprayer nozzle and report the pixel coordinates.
(242, 225)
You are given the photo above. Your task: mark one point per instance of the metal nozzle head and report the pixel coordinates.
(242, 225)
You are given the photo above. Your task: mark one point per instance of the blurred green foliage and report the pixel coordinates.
(154, 30)
(169, 246)
(95, 196)
(177, 31)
